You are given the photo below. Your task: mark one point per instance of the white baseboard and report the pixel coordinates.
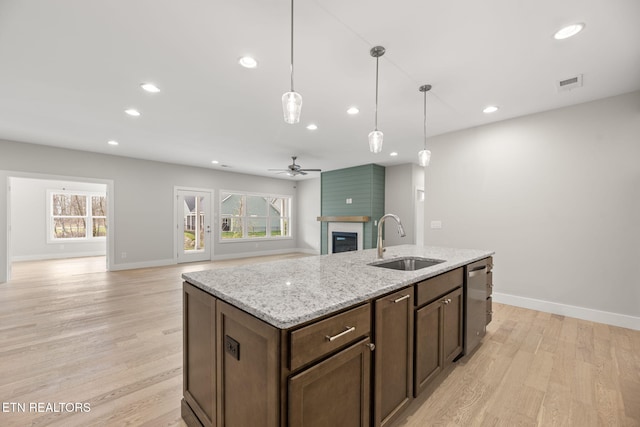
(308, 251)
(609, 318)
(143, 264)
(41, 257)
(261, 253)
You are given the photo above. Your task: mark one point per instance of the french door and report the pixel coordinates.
(194, 225)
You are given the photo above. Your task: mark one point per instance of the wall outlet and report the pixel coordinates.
(232, 347)
(349, 201)
(436, 224)
(123, 255)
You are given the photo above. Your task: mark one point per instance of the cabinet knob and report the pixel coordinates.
(371, 346)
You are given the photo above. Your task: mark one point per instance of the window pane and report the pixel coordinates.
(231, 228)
(279, 207)
(232, 204)
(98, 206)
(279, 227)
(256, 227)
(99, 227)
(69, 228)
(256, 206)
(69, 205)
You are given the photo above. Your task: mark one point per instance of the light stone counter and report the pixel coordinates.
(288, 293)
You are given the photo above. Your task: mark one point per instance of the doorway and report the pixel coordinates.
(193, 213)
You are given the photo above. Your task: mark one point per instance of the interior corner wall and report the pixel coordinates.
(399, 199)
(29, 221)
(142, 200)
(308, 211)
(555, 194)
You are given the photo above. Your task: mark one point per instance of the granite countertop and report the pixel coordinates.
(288, 293)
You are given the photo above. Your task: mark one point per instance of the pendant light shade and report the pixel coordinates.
(424, 155)
(292, 100)
(291, 107)
(375, 137)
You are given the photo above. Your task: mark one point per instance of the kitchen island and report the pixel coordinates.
(322, 340)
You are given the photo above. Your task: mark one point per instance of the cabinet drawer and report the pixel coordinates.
(489, 283)
(489, 310)
(434, 287)
(323, 337)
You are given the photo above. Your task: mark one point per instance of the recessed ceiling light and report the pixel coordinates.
(248, 62)
(150, 87)
(393, 154)
(112, 142)
(568, 31)
(353, 110)
(215, 162)
(312, 127)
(132, 112)
(490, 109)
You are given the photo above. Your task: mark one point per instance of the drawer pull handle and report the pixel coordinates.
(402, 298)
(345, 332)
(446, 301)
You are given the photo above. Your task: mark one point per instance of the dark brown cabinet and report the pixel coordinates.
(334, 392)
(438, 327)
(199, 334)
(393, 372)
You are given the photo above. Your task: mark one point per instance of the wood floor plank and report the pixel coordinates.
(72, 332)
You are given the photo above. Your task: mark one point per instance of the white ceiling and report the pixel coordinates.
(68, 69)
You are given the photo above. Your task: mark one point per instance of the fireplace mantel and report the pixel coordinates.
(343, 218)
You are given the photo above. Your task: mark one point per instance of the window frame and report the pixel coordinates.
(246, 218)
(88, 217)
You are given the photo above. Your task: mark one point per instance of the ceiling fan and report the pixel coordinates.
(294, 169)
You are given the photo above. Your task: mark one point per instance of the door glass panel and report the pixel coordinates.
(194, 238)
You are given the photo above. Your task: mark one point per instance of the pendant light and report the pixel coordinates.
(291, 101)
(424, 155)
(375, 137)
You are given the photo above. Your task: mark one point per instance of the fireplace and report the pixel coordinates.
(344, 242)
(350, 235)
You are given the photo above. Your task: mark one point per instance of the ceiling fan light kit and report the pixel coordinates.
(294, 169)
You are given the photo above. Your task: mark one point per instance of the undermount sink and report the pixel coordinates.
(407, 263)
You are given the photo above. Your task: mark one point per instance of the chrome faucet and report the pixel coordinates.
(380, 221)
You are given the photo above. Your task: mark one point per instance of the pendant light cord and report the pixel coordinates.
(425, 120)
(376, 124)
(292, 46)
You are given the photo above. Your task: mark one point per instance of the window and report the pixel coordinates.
(254, 216)
(76, 215)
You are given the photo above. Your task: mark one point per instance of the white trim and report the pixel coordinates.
(609, 318)
(144, 264)
(257, 253)
(57, 256)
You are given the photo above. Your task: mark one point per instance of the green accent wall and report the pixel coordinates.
(365, 186)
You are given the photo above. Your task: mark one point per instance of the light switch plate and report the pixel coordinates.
(436, 224)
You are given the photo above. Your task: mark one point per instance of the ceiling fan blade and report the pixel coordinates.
(278, 170)
(311, 170)
(301, 172)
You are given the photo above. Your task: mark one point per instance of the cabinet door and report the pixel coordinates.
(452, 325)
(335, 392)
(199, 381)
(428, 344)
(393, 355)
(247, 370)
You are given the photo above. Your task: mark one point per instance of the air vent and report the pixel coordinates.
(570, 83)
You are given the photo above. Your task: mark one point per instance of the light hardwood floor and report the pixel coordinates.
(71, 332)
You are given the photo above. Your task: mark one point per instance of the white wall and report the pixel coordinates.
(308, 212)
(557, 196)
(29, 221)
(400, 186)
(142, 199)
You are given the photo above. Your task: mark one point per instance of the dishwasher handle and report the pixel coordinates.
(477, 271)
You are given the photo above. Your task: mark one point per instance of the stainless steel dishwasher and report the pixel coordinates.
(475, 300)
